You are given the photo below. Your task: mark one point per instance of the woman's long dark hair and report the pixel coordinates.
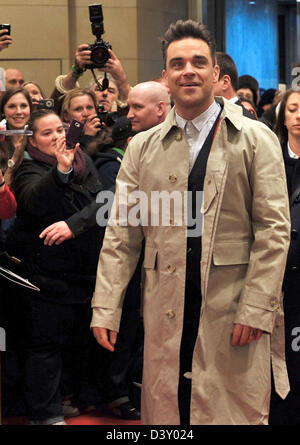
(280, 128)
(34, 117)
(4, 146)
(9, 94)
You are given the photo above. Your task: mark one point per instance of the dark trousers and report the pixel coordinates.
(192, 306)
(41, 331)
(287, 411)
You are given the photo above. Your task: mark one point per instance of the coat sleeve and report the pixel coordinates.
(121, 247)
(261, 296)
(37, 190)
(8, 205)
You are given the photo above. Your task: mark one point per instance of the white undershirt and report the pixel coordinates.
(291, 153)
(198, 129)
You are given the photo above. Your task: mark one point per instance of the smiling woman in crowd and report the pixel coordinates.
(15, 108)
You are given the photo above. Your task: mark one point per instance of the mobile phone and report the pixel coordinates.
(282, 88)
(12, 132)
(45, 104)
(7, 27)
(73, 134)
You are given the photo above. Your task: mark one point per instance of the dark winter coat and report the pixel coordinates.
(65, 272)
(108, 164)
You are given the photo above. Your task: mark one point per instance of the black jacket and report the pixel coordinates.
(108, 164)
(245, 111)
(65, 272)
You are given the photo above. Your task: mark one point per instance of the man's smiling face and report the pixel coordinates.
(190, 75)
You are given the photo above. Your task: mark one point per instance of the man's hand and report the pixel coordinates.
(57, 233)
(243, 335)
(105, 338)
(83, 55)
(115, 68)
(5, 40)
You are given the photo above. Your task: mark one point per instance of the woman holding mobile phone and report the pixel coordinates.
(15, 108)
(57, 239)
(81, 104)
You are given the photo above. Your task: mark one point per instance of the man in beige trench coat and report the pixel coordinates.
(217, 368)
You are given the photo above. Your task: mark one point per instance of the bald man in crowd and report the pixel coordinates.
(13, 78)
(149, 104)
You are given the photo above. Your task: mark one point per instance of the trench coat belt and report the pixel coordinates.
(281, 380)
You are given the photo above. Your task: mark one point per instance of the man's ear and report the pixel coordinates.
(165, 77)
(216, 74)
(161, 108)
(226, 81)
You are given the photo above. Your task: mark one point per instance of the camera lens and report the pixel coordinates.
(100, 56)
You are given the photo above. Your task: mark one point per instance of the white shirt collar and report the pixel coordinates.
(200, 120)
(234, 99)
(291, 153)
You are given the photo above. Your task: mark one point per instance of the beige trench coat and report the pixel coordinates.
(244, 247)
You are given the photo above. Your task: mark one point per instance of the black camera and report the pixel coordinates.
(105, 117)
(45, 104)
(99, 50)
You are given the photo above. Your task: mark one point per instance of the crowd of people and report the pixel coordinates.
(191, 326)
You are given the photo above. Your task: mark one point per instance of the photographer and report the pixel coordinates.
(35, 92)
(113, 66)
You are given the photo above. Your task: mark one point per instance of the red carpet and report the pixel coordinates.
(92, 418)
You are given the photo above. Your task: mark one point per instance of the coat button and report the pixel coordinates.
(171, 268)
(172, 178)
(170, 313)
(294, 234)
(178, 137)
(273, 302)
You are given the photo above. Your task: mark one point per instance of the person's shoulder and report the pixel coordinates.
(144, 136)
(234, 114)
(29, 165)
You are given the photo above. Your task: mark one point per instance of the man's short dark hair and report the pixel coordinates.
(227, 66)
(185, 29)
(247, 81)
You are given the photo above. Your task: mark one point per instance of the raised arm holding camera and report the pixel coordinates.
(96, 56)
